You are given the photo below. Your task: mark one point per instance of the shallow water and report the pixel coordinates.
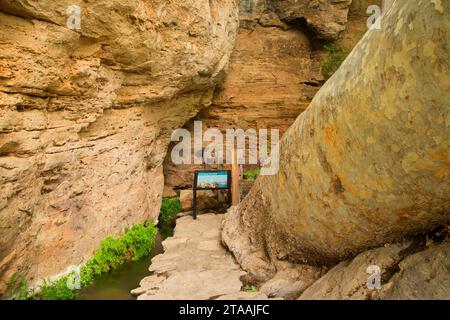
(117, 285)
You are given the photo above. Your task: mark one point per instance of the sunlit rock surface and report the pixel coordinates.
(86, 116)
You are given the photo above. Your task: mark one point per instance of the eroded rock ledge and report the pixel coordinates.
(86, 115)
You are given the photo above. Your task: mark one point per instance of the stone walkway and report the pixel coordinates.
(194, 266)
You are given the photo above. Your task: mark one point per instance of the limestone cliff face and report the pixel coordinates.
(368, 162)
(86, 115)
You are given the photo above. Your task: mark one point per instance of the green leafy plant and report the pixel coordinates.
(250, 288)
(166, 231)
(252, 174)
(135, 244)
(169, 209)
(17, 288)
(334, 59)
(58, 290)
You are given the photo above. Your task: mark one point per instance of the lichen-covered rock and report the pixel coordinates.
(86, 117)
(368, 162)
(348, 280)
(424, 275)
(405, 274)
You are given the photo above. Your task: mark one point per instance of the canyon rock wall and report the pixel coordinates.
(368, 162)
(86, 117)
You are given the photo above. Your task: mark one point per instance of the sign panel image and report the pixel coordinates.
(212, 180)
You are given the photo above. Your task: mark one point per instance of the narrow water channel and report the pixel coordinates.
(117, 285)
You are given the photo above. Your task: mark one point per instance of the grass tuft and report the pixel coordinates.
(252, 174)
(135, 244)
(335, 57)
(169, 209)
(17, 288)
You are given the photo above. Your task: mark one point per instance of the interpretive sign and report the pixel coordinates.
(210, 180)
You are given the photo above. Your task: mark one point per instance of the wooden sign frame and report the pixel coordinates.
(195, 187)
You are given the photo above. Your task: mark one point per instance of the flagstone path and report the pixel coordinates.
(195, 266)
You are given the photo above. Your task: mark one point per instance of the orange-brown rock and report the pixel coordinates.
(86, 117)
(325, 18)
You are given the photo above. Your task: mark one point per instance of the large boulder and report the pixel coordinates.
(348, 280)
(424, 275)
(368, 162)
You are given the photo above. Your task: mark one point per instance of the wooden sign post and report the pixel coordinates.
(235, 192)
